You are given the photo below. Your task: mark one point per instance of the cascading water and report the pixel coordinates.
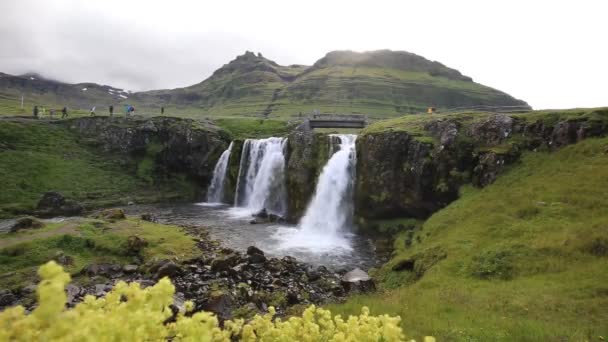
(215, 193)
(261, 180)
(329, 214)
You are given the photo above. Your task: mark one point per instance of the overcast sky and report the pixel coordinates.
(552, 54)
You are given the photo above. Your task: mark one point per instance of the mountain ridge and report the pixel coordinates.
(382, 83)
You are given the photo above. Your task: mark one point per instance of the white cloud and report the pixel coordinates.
(549, 53)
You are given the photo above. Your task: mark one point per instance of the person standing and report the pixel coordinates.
(111, 110)
(93, 111)
(127, 107)
(162, 110)
(36, 112)
(64, 112)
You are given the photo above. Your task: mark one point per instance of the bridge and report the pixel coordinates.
(337, 121)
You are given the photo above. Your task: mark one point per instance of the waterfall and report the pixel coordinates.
(330, 212)
(261, 180)
(215, 193)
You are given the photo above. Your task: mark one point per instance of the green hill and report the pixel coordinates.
(523, 259)
(379, 83)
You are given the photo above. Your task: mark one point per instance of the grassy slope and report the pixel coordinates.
(86, 241)
(526, 256)
(36, 157)
(383, 86)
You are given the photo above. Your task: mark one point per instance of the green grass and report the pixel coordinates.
(242, 128)
(526, 257)
(88, 241)
(36, 157)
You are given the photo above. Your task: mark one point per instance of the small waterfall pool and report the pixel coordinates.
(231, 226)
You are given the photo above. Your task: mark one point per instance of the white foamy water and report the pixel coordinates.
(325, 226)
(215, 193)
(261, 180)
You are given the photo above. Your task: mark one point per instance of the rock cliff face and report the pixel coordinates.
(412, 169)
(174, 146)
(307, 153)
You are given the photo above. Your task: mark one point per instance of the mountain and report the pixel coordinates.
(380, 83)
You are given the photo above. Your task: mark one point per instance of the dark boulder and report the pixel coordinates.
(101, 270)
(169, 269)
(7, 298)
(224, 263)
(26, 223)
(54, 204)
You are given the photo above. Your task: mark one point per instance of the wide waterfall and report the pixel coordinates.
(324, 227)
(261, 180)
(215, 193)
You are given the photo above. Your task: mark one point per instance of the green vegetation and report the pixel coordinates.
(36, 157)
(254, 128)
(523, 259)
(150, 319)
(87, 241)
(382, 84)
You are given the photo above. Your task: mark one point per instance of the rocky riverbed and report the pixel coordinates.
(230, 283)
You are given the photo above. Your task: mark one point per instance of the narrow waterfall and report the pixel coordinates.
(261, 180)
(215, 193)
(330, 212)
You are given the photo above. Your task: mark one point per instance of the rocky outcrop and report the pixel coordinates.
(54, 203)
(176, 146)
(418, 169)
(307, 153)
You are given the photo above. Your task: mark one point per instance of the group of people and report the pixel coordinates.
(41, 112)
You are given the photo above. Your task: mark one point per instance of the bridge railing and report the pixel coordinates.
(338, 117)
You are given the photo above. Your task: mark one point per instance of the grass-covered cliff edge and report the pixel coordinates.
(519, 248)
(102, 161)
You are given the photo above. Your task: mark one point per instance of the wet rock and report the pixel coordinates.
(26, 223)
(224, 263)
(256, 259)
(136, 244)
(74, 293)
(30, 289)
(262, 214)
(254, 250)
(169, 269)
(54, 204)
(101, 269)
(130, 268)
(7, 298)
(313, 275)
(357, 280)
(255, 255)
(102, 289)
